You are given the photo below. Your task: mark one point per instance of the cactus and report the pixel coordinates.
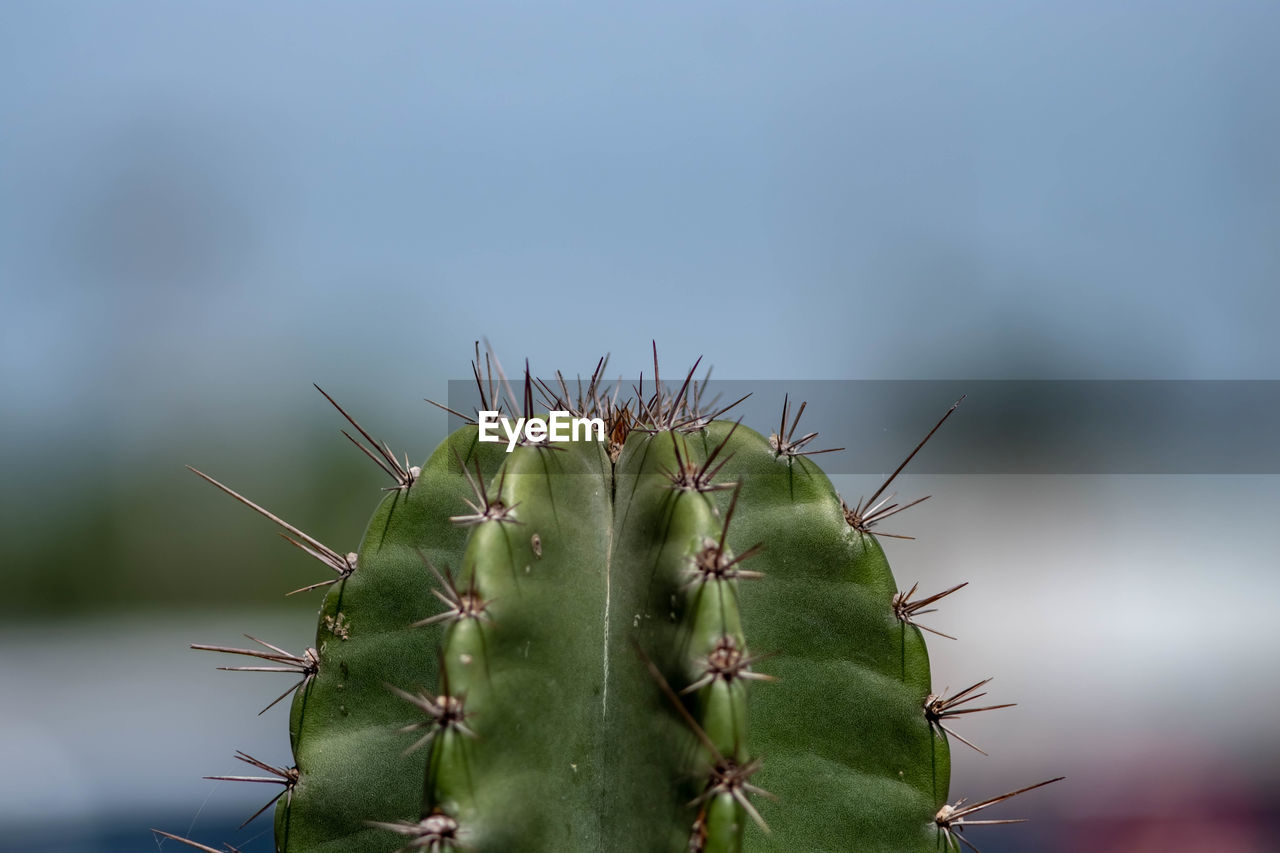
(672, 636)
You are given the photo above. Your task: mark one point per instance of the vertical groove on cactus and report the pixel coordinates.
(673, 636)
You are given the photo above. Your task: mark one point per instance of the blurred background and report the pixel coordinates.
(206, 207)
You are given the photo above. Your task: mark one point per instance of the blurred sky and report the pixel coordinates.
(205, 207)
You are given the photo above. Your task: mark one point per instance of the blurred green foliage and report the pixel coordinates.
(149, 532)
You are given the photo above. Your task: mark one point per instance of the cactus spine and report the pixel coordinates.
(675, 639)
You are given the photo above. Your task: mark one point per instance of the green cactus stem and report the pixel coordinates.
(667, 635)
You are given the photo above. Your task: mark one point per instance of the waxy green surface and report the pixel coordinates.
(577, 746)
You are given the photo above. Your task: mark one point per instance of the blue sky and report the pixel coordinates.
(203, 194)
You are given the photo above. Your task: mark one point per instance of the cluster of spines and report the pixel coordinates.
(444, 717)
(725, 666)
(718, 662)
